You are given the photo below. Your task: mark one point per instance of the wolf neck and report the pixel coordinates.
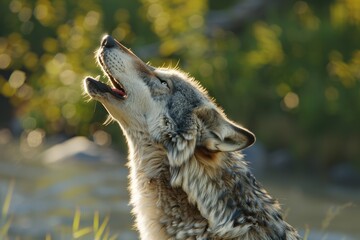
(222, 190)
(144, 155)
(145, 163)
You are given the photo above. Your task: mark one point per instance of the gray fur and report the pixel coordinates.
(188, 179)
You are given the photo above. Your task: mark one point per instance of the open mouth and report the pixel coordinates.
(115, 87)
(116, 90)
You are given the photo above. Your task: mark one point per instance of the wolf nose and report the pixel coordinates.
(108, 41)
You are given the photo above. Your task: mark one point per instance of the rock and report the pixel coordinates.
(80, 149)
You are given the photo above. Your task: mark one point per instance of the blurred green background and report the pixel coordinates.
(287, 70)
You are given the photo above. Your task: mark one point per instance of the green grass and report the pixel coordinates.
(99, 230)
(5, 220)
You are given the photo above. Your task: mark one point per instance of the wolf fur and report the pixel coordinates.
(188, 179)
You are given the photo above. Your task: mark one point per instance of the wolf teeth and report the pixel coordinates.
(97, 78)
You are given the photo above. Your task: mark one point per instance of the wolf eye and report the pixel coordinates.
(163, 82)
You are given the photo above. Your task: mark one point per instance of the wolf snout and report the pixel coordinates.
(108, 41)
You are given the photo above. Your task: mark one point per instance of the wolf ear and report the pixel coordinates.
(221, 135)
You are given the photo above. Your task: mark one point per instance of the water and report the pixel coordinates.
(46, 196)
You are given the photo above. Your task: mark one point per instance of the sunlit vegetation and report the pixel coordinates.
(5, 220)
(99, 230)
(291, 74)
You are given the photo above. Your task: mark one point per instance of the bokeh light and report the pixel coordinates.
(102, 138)
(287, 70)
(35, 138)
(301, 67)
(17, 79)
(5, 60)
(291, 100)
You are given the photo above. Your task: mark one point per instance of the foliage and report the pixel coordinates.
(291, 76)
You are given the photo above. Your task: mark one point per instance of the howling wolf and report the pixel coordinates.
(188, 179)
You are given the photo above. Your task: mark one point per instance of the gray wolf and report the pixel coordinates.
(188, 179)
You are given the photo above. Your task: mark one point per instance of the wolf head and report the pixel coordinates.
(165, 105)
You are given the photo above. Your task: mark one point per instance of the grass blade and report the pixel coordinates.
(7, 202)
(82, 232)
(332, 213)
(96, 221)
(5, 228)
(107, 233)
(307, 232)
(102, 228)
(76, 222)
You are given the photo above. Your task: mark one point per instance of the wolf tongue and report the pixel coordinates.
(118, 91)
